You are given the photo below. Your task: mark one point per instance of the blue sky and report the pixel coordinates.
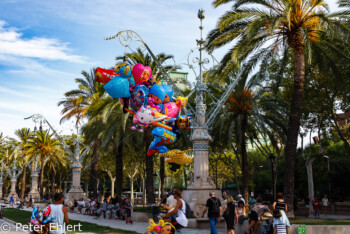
(45, 44)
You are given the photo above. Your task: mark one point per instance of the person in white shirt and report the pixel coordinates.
(325, 203)
(240, 198)
(177, 217)
(81, 204)
(59, 211)
(170, 202)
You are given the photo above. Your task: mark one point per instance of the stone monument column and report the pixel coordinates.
(201, 183)
(34, 173)
(13, 173)
(75, 191)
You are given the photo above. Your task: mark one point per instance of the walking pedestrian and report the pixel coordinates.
(251, 201)
(316, 205)
(214, 207)
(280, 219)
(12, 200)
(325, 204)
(59, 211)
(230, 215)
(177, 217)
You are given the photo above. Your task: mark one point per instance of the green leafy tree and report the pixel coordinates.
(24, 135)
(76, 103)
(260, 29)
(46, 147)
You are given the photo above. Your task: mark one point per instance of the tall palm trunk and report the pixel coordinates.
(149, 168)
(94, 168)
(119, 157)
(23, 189)
(294, 123)
(42, 178)
(244, 157)
(52, 182)
(162, 177)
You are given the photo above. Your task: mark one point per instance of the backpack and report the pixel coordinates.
(216, 208)
(189, 213)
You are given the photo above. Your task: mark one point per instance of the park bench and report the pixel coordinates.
(342, 208)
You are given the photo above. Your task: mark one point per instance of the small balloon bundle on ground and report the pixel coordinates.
(40, 220)
(149, 103)
(160, 228)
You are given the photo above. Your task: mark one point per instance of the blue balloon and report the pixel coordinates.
(139, 97)
(158, 91)
(168, 90)
(117, 88)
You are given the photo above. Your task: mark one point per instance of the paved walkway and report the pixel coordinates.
(136, 226)
(8, 227)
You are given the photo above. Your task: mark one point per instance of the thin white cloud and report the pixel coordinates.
(13, 92)
(29, 67)
(12, 43)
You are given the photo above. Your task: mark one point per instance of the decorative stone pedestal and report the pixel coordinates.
(201, 184)
(34, 172)
(75, 192)
(13, 190)
(34, 189)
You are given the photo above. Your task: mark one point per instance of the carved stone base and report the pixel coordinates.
(74, 193)
(197, 199)
(35, 195)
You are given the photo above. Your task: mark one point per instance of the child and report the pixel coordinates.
(316, 205)
(128, 210)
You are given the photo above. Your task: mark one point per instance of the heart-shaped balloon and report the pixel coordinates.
(141, 73)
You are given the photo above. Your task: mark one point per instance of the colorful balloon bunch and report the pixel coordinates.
(148, 102)
(40, 219)
(160, 228)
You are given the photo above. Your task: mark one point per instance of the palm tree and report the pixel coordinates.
(76, 104)
(260, 28)
(146, 60)
(24, 135)
(46, 146)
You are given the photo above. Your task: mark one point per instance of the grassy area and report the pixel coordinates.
(143, 209)
(321, 221)
(23, 217)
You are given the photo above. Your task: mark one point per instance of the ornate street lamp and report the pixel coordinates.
(77, 157)
(201, 183)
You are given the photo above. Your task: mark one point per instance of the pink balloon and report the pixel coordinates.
(173, 110)
(139, 72)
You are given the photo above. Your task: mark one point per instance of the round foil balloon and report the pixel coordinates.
(139, 97)
(141, 73)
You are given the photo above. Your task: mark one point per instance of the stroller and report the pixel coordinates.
(20, 206)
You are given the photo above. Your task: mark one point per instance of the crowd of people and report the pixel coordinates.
(234, 213)
(112, 208)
